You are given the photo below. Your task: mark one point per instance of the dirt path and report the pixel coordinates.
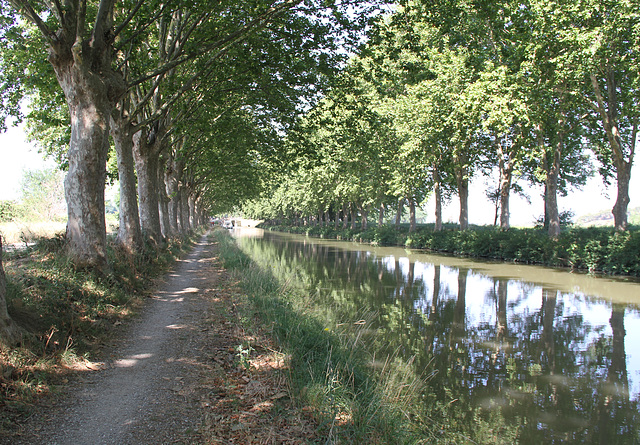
(175, 377)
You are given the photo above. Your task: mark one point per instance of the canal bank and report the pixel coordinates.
(500, 359)
(594, 249)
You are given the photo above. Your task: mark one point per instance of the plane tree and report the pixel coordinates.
(605, 42)
(84, 41)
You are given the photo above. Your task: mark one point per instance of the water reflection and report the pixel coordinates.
(543, 361)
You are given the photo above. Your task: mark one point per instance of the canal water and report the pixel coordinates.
(526, 354)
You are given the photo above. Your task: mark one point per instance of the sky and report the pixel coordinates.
(17, 155)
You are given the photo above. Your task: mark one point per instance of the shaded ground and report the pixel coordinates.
(185, 372)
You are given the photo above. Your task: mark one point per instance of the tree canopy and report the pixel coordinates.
(325, 111)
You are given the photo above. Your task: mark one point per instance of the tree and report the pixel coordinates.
(43, 194)
(89, 44)
(79, 40)
(607, 40)
(9, 331)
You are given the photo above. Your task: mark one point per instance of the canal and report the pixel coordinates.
(528, 354)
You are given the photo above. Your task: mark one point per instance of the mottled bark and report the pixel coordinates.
(461, 162)
(146, 154)
(81, 60)
(462, 180)
(163, 199)
(381, 215)
(193, 223)
(89, 109)
(622, 156)
(174, 175)
(184, 209)
(412, 215)
(620, 212)
(399, 211)
(437, 189)
(506, 174)
(129, 233)
(552, 215)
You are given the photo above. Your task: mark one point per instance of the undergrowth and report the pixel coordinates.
(67, 314)
(330, 372)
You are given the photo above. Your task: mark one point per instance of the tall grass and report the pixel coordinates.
(329, 372)
(22, 232)
(16, 232)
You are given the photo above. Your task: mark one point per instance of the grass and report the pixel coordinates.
(21, 232)
(66, 314)
(16, 232)
(331, 373)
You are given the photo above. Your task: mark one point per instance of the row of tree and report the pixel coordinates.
(190, 98)
(445, 90)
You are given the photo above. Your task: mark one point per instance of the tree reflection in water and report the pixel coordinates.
(511, 361)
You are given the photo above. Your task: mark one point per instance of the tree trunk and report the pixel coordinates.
(129, 233)
(171, 185)
(352, 212)
(345, 216)
(437, 188)
(622, 158)
(146, 156)
(399, 211)
(365, 217)
(163, 199)
(184, 209)
(9, 331)
(89, 109)
(506, 170)
(174, 174)
(462, 180)
(81, 61)
(412, 215)
(193, 221)
(552, 215)
(623, 174)
(381, 216)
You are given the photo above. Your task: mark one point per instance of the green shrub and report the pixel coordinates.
(591, 249)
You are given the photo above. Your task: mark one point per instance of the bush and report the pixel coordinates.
(590, 249)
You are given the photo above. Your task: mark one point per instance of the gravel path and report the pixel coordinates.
(173, 375)
(141, 395)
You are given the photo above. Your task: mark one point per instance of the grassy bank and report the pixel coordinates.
(591, 249)
(67, 314)
(328, 371)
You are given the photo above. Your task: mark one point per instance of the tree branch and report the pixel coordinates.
(223, 44)
(24, 8)
(128, 18)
